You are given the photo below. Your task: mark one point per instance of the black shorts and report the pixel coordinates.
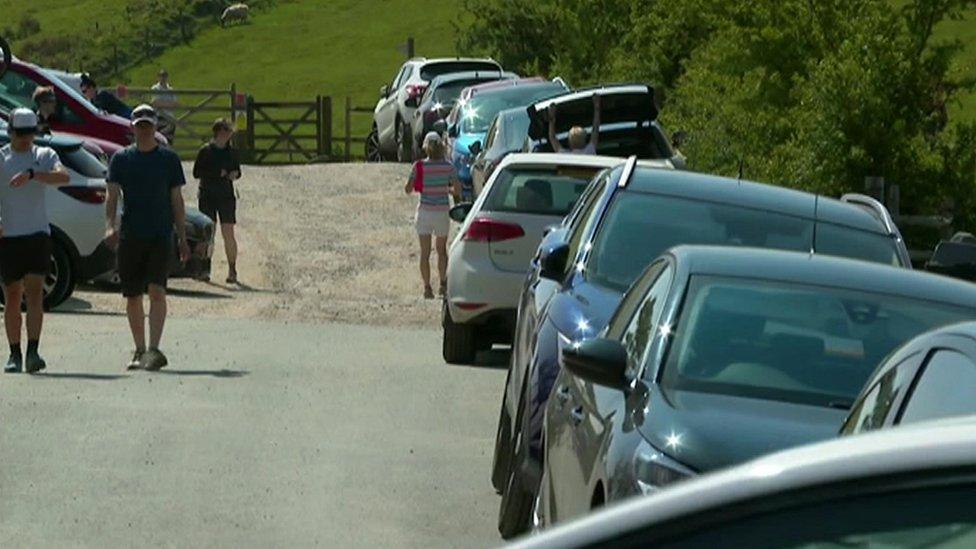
(219, 203)
(24, 255)
(143, 262)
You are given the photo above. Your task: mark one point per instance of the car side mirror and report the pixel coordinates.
(552, 262)
(440, 126)
(460, 212)
(598, 360)
(384, 92)
(955, 259)
(474, 148)
(452, 131)
(679, 162)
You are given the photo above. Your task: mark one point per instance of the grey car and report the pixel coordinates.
(717, 355)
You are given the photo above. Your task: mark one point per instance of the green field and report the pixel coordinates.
(58, 17)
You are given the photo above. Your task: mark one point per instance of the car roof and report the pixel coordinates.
(472, 75)
(551, 159)
(903, 450)
(712, 188)
(583, 93)
(823, 270)
(424, 60)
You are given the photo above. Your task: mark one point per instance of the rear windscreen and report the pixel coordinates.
(622, 140)
(551, 191)
(433, 70)
(449, 93)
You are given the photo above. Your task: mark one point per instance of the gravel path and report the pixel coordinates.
(319, 243)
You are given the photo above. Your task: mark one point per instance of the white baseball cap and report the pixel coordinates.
(23, 120)
(144, 113)
(432, 137)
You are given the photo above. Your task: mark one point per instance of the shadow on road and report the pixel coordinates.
(70, 375)
(241, 288)
(204, 373)
(76, 306)
(196, 294)
(495, 358)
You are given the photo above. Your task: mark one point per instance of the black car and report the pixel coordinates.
(507, 134)
(931, 377)
(718, 355)
(441, 96)
(619, 227)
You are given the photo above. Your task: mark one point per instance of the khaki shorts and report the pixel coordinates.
(430, 222)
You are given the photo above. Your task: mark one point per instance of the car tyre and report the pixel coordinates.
(515, 512)
(373, 152)
(460, 343)
(503, 448)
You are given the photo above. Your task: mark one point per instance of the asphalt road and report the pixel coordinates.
(258, 434)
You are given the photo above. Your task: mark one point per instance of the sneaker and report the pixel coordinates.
(34, 363)
(15, 365)
(428, 292)
(155, 360)
(136, 362)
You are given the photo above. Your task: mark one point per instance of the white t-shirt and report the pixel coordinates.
(588, 149)
(23, 211)
(165, 93)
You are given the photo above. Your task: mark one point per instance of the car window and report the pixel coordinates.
(450, 92)
(857, 244)
(871, 412)
(589, 196)
(939, 516)
(492, 134)
(16, 91)
(399, 78)
(480, 111)
(431, 71)
(516, 130)
(542, 191)
(639, 227)
(791, 342)
(945, 389)
(632, 299)
(644, 323)
(588, 217)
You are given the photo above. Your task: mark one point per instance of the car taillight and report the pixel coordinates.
(88, 195)
(416, 90)
(487, 230)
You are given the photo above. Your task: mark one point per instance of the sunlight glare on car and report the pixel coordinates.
(673, 440)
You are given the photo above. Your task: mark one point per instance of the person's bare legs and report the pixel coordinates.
(137, 321)
(157, 314)
(34, 290)
(425, 263)
(13, 294)
(230, 248)
(441, 243)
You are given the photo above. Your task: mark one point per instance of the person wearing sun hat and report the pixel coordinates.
(25, 234)
(149, 179)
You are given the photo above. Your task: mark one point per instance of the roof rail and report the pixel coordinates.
(873, 206)
(628, 172)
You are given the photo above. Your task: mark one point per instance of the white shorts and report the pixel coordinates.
(432, 223)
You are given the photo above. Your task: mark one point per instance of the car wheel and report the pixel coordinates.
(515, 512)
(503, 448)
(460, 344)
(373, 153)
(60, 283)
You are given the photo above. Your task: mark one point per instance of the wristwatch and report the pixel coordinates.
(30, 173)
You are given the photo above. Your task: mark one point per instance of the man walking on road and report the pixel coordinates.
(217, 166)
(150, 179)
(25, 237)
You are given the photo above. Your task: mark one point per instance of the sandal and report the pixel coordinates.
(428, 292)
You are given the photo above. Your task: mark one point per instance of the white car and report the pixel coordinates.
(77, 213)
(499, 235)
(903, 487)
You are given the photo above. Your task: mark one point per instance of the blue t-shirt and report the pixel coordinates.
(146, 180)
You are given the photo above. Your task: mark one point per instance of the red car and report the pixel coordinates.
(76, 115)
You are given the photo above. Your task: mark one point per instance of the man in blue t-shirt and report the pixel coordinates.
(150, 180)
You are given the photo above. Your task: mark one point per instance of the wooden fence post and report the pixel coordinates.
(318, 125)
(233, 103)
(250, 127)
(875, 187)
(327, 127)
(348, 128)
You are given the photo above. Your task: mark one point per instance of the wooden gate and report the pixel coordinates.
(289, 132)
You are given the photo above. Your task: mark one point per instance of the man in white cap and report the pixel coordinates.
(25, 234)
(150, 180)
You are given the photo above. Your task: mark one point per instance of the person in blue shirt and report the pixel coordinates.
(102, 99)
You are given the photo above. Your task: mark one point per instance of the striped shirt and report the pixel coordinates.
(436, 185)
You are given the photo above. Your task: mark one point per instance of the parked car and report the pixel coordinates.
(442, 94)
(499, 234)
(390, 136)
(101, 148)
(468, 122)
(931, 377)
(718, 355)
(912, 487)
(507, 134)
(628, 122)
(77, 216)
(582, 271)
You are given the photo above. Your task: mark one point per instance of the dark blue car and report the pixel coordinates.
(621, 224)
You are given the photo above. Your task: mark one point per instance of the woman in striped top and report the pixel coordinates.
(435, 179)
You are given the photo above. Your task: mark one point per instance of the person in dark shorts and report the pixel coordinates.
(25, 236)
(217, 166)
(150, 180)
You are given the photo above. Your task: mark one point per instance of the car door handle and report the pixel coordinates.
(577, 415)
(562, 395)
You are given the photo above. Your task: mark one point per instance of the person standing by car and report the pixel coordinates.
(150, 180)
(25, 236)
(46, 103)
(435, 179)
(577, 135)
(102, 99)
(217, 166)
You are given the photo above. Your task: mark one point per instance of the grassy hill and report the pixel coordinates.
(58, 17)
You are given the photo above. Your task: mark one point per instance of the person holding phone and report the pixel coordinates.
(217, 166)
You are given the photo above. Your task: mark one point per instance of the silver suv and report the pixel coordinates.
(390, 136)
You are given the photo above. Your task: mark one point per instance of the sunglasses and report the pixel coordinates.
(24, 131)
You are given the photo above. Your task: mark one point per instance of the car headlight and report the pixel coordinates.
(654, 470)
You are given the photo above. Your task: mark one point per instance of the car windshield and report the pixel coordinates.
(478, 113)
(795, 343)
(68, 90)
(431, 71)
(542, 191)
(448, 93)
(639, 227)
(515, 130)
